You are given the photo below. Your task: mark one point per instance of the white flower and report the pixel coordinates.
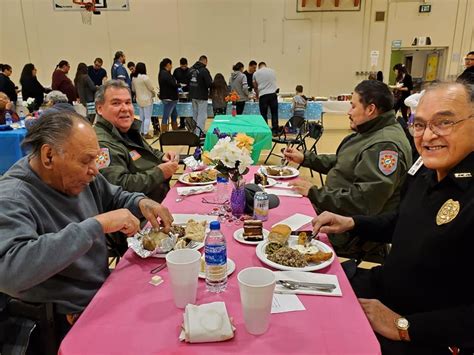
(30, 100)
(227, 151)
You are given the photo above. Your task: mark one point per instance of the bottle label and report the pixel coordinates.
(215, 254)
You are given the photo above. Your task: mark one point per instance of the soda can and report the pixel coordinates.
(260, 206)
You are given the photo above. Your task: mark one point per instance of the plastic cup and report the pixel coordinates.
(183, 266)
(256, 285)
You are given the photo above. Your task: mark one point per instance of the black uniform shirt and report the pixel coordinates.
(428, 275)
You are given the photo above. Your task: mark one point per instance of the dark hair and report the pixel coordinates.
(81, 70)
(101, 90)
(183, 61)
(380, 75)
(51, 128)
(238, 66)
(203, 57)
(252, 63)
(130, 64)
(262, 63)
(299, 88)
(470, 53)
(219, 86)
(99, 60)
(401, 70)
(140, 68)
(26, 73)
(165, 62)
(375, 92)
(5, 67)
(62, 63)
(118, 54)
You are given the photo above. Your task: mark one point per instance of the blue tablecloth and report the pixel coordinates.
(10, 148)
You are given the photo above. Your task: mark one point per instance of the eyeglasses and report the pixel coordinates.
(441, 127)
(468, 59)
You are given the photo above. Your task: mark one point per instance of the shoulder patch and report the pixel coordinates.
(103, 159)
(388, 161)
(134, 155)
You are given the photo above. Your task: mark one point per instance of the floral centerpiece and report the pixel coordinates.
(231, 156)
(233, 97)
(30, 104)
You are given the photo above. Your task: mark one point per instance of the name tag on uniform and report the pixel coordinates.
(134, 155)
(462, 175)
(415, 167)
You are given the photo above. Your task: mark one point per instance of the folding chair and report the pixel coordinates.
(292, 134)
(192, 126)
(185, 138)
(314, 130)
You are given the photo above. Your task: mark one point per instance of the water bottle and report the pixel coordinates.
(215, 255)
(222, 190)
(8, 119)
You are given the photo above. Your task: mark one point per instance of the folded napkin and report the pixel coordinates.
(296, 221)
(300, 276)
(206, 323)
(286, 192)
(194, 190)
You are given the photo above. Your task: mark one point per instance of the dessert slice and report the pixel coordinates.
(260, 179)
(253, 230)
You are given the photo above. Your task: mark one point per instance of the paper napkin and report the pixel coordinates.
(296, 221)
(179, 218)
(194, 190)
(279, 192)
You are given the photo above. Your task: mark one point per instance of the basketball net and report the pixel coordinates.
(86, 13)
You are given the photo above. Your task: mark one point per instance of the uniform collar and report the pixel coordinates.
(461, 175)
(101, 121)
(379, 122)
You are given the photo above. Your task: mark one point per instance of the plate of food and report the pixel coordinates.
(202, 270)
(262, 179)
(279, 172)
(252, 233)
(150, 242)
(283, 251)
(204, 177)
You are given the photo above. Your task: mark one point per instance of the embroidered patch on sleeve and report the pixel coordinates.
(134, 155)
(103, 159)
(388, 160)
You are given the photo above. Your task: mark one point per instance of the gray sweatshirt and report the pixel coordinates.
(51, 249)
(238, 82)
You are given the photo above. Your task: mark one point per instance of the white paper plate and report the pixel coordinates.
(183, 178)
(270, 182)
(239, 236)
(293, 240)
(162, 256)
(230, 269)
(295, 173)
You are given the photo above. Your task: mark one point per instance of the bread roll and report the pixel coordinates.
(279, 233)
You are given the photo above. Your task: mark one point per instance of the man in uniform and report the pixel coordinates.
(126, 158)
(118, 71)
(467, 75)
(421, 301)
(55, 209)
(366, 173)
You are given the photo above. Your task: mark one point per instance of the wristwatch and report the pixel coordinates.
(402, 325)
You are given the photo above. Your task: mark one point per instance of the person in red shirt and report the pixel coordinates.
(62, 83)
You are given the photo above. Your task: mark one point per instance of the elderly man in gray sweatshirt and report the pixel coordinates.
(55, 209)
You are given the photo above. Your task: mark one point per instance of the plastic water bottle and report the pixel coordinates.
(222, 189)
(8, 119)
(215, 255)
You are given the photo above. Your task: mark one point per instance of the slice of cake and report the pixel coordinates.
(253, 230)
(260, 179)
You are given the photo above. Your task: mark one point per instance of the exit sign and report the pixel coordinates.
(424, 8)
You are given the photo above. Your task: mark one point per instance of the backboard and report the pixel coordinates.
(100, 5)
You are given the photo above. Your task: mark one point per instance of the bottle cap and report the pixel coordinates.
(215, 225)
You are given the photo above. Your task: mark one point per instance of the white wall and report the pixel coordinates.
(322, 51)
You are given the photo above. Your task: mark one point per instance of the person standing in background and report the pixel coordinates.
(299, 102)
(97, 73)
(264, 81)
(30, 86)
(144, 92)
(61, 82)
(6, 85)
(168, 94)
(200, 81)
(249, 73)
(467, 75)
(85, 87)
(118, 70)
(219, 90)
(181, 74)
(404, 86)
(238, 83)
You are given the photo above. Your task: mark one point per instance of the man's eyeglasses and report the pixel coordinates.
(441, 127)
(468, 59)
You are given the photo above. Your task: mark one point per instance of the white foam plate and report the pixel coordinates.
(239, 236)
(295, 173)
(230, 269)
(270, 182)
(184, 179)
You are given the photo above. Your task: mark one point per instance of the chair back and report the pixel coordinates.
(185, 138)
(296, 122)
(190, 124)
(315, 130)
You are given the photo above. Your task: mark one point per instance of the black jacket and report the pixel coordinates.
(168, 85)
(467, 76)
(7, 86)
(182, 77)
(200, 81)
(31, 87)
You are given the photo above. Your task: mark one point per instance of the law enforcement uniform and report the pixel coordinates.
(427, 277)
(129, 161)
(363, 177)
(119, 72)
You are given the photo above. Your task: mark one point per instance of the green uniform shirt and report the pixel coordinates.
(128, 164)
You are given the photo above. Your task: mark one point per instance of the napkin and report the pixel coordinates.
(286, 192)
(307, 277)
(194, 190)
(296, 221)
(183, 218)
(206, 323)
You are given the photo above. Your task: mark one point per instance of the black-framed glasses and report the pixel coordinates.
(442, 127)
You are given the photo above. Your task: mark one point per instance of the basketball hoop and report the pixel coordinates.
(87, 10)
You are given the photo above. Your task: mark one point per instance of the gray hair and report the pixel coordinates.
(117, 84)
(468, 89)
(56, 97)
(52, 128)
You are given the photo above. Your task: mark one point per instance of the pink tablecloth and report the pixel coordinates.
(130, 316)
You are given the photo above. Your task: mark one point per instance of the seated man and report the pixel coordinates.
(6, 107)
(128, 160)
(422, 300)
(366, 173)
(55, 209)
